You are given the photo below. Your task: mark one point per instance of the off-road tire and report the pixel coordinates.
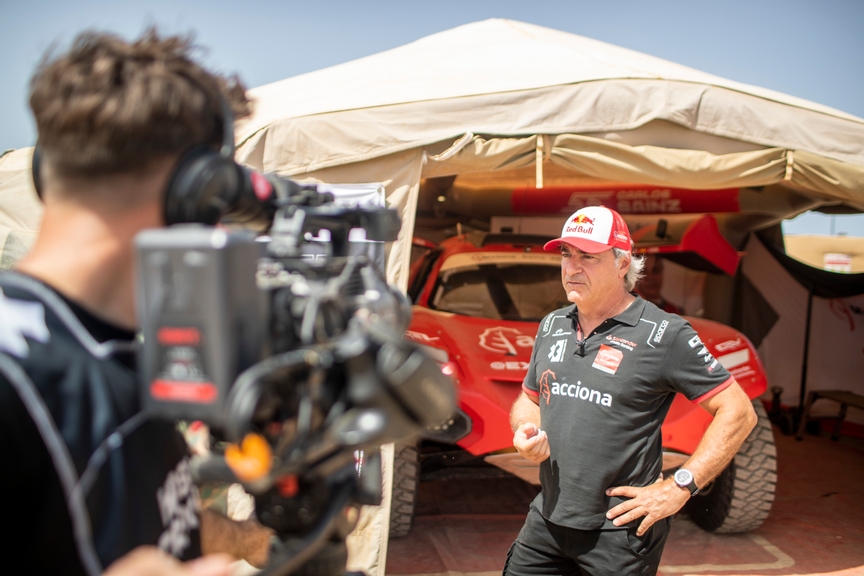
(406, 479)
(740, 498)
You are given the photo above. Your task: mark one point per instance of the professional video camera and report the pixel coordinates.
(298, 362)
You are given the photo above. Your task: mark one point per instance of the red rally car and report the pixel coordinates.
(478, 299)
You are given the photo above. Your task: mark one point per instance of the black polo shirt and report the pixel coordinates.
(602, 403)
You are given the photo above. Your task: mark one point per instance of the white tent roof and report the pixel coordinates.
(516, 63)
(500, 98)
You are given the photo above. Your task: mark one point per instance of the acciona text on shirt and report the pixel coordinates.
(580, 392)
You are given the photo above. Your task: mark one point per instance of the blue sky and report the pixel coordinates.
(809, 49)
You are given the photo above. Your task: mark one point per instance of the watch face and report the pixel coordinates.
(683, 477)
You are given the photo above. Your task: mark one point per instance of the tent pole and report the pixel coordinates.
(539, 154)
(806, 352)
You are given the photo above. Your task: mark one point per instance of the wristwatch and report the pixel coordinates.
(684, 479)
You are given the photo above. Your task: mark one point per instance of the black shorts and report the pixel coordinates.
(546, 549)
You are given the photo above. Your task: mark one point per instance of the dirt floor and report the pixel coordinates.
(816, 526)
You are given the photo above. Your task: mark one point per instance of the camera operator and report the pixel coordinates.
(87, 477)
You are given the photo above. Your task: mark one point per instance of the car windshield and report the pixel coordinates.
(500, 286)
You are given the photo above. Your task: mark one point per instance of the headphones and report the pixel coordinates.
(204, 182)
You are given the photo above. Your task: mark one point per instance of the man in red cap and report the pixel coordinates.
(601, 379)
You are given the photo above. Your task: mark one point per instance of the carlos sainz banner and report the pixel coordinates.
(625, 199)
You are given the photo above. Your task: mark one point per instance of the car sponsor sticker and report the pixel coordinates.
(608, 359)
(742, 372)
(734, 359)
(505, 340)
(512, 365)
(420, 336)
(729, 345)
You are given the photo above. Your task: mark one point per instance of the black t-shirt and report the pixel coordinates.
(602, 404)
(87, 476)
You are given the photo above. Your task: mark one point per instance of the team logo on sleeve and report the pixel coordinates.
(608, 359)
(709, 361)
(556, 352)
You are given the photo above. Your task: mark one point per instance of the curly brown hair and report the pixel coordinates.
(109, 106)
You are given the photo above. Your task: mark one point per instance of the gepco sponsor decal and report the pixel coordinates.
(660, 330)
(512, 365)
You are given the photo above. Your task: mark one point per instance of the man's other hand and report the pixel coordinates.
(654, 502)
(531, 442)
(150, 561)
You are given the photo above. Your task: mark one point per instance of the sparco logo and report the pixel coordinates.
(660, 331)
(576, 391)
(504, 340)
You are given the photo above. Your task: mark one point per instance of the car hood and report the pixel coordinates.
(497, 349)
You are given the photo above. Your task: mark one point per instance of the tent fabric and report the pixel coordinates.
(819, 177)
(495, 86)
(506, 77)
(323, 140)
(20, 209)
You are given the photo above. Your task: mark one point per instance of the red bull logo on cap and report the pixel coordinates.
(581, 224)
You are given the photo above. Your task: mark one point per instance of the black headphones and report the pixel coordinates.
(203, 184)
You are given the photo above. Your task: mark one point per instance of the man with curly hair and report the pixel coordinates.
(88, 477)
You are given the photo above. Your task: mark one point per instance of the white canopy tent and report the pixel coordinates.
(499, 94)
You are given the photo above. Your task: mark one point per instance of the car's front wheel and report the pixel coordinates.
(740, 498)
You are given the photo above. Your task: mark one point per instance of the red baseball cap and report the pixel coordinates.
(593, 229)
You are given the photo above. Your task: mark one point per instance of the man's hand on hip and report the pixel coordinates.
(531, 442)
(654, 502)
